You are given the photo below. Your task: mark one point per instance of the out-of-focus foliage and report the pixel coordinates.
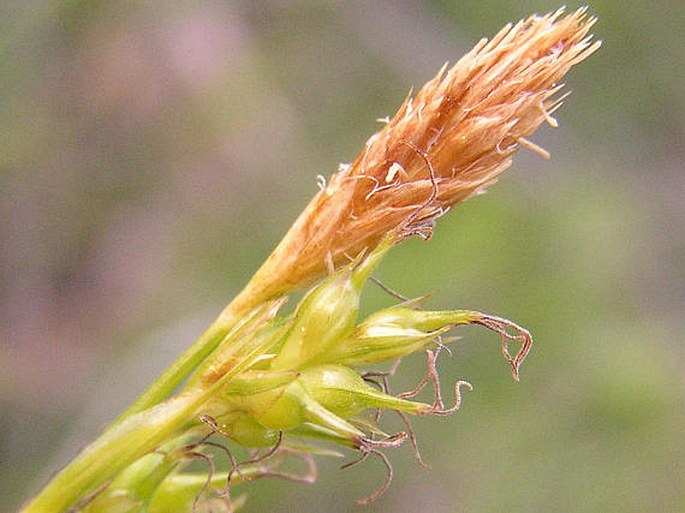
(152, 154)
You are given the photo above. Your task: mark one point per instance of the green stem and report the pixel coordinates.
(181, 368)
(117, 448)
(137, 434)
(257, 291)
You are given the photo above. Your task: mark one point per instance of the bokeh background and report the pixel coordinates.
(152, 153)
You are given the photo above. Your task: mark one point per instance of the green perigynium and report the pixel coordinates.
(327, 313)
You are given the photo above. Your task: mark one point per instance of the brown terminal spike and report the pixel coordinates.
(446, 143)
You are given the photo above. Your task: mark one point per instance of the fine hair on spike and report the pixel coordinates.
(307, 477)
(213, 425)
(257, 458)
(433, 179)
(457, 399)
(192, 451)
(370, 447)
(382, 384)
(500, 326)
(431, 376)
(412, 439)
(386, 484)
(210, 474)
(214, 428)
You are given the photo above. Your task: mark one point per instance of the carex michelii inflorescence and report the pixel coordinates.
(293, 385)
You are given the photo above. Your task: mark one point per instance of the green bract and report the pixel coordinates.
(342, 391)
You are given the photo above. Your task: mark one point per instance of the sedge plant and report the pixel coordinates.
(296, 385)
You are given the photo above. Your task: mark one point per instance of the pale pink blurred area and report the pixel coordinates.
(153, 153)
(97, 219)
(85, 251)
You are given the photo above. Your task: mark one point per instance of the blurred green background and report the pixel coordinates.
(152, 153)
